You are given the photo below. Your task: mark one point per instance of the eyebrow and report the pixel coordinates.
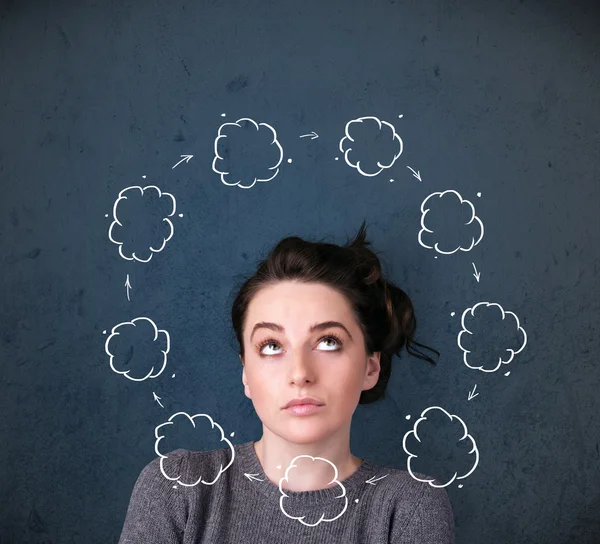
(315, 327)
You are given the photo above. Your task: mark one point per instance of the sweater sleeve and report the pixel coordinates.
(431, 523)
(156, 511)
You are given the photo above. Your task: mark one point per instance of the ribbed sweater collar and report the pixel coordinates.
(250, 464)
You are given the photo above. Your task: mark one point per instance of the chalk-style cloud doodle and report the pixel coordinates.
(286, 503)
(120, 347)
(121, 234)
(366, 130)
(417, 445)
(494, 351)
(458, 219)
(232, 139)
(182, 418)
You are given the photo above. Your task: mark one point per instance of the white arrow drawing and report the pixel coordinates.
(477, 274)
(157, 399)
(372, 481)
(471, 393)
(252, 477)
(311, 134)
(186, 158)
(416, 174)
(128, 285)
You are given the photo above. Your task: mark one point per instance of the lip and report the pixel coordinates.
(299, 401)
(303, 409)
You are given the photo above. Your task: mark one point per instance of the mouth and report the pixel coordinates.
(304, 409)
(303, 401)
(306, 402)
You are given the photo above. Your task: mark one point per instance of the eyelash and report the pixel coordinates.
(273, 341)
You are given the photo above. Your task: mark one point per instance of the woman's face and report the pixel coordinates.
(298, 362)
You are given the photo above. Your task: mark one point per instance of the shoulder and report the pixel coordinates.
(161, 470)
(184, 467)
(430, 499)
(165, 495)
(420, 507)
(420, 489)
(156, 511)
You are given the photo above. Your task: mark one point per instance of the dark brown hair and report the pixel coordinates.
(383, 311)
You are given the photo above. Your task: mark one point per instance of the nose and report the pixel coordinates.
(301, 369)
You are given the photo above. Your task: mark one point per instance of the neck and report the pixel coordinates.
(276, 454)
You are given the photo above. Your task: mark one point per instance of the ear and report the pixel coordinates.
(372, 371)
(245, 381)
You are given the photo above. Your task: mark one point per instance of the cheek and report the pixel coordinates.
(344, 376)
(263, 387)
(346, 384)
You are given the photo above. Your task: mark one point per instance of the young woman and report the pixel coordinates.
(317, 325)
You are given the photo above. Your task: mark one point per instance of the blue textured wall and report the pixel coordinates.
(497, 101)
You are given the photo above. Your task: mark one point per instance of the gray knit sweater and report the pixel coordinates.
(382, 505)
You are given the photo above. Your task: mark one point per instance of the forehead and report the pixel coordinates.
(296, 301)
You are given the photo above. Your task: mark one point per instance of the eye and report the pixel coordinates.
(272, 341)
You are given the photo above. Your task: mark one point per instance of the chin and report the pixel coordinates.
(307, 432)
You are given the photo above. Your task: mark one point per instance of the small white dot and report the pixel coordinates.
(143, 176)
(180, 215)
(278, 466)
(337, 158)
(452, 314)
(223, 115)
(356, 501)
(507, 373)
(289, 160)
(174, 487)
(479, 195)
(173, 376)
(391, 180)
(231, 434)
(435, 257)
(407, 417)
(401, 115)
(105, 215)
(460, 486)
(103, 332)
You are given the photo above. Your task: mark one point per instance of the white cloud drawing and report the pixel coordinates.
(353, 153)
(120, 341)
(489, 357)
(286, 503)
(118, 234)
(270, 148)
(466, 224)
(184, 418)
(415, 445)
